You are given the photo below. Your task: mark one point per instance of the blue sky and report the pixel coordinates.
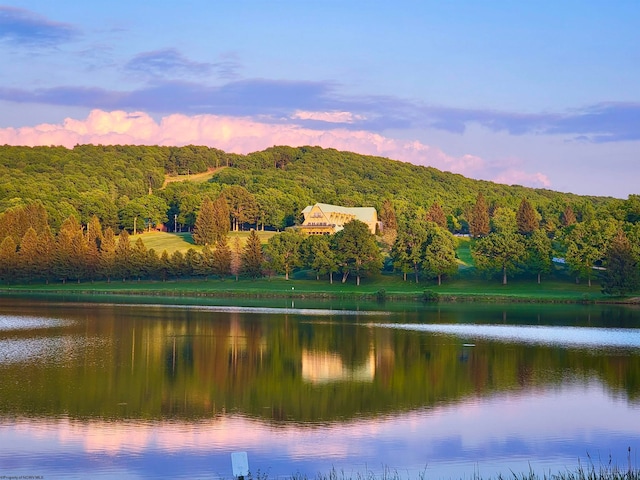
(543, 94)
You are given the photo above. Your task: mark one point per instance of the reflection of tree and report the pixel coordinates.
(193, 364)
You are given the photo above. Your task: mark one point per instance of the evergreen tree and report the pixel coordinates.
(204, 231)
(622, 268)
(568, 217)
(236, 258)
(177, 264)
(192, 260)
(27, 260)
(107, 259)
(93, 240)
(221, 218)
(122, 264)
(152, 266)
(252, 256)
(527, 218)
(8, 259)
(479, 222)
(436, 215)
(221, 259)
(387, 216)
(70, 251)
(46, 249)
(204, 265)
(164, 266)
(139, 259)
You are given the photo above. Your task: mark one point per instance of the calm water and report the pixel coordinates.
(452, 391)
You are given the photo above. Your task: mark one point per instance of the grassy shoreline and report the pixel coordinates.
(381, 288)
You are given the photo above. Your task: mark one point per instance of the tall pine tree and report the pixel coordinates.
(252, 256)
(479, 223)
(436, 215)
(527, 218)
(204, 231)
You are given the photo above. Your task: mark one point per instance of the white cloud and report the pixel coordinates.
(329, 117)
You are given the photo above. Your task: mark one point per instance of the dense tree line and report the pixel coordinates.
(124, 186)
(88, 253)
(108, 192)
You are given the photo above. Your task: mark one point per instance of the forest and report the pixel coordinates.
(67, 214)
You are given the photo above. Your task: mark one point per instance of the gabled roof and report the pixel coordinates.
(364, 214)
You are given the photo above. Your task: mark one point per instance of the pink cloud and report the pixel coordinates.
(245, 135)
(331, 117)
(518, 177)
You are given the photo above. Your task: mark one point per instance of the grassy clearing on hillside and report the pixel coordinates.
(193, 177)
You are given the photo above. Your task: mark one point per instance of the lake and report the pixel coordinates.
(142, 388)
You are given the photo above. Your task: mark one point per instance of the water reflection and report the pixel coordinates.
(564, 336)
(150, 391)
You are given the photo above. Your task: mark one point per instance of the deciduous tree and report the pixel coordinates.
(357, 251)
(283, 252)
(539, 253)
(439, 252)
(499, 252)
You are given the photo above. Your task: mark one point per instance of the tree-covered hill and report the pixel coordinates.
(120, 183)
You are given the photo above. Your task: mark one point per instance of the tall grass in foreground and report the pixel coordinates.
(603, 472)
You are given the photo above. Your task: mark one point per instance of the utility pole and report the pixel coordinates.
(175, 223)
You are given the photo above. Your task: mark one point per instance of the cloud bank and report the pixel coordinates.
(244, 135)
(22, 27)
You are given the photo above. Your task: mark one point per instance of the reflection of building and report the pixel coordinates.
(325, 219)
(325, 367)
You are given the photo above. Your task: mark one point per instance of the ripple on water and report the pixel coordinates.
(10, 323)
(19, 350)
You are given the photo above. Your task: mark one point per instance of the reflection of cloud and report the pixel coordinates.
(482, 430)
(22, 27)
(238, 135)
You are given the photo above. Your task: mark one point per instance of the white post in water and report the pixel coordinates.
(240, 464)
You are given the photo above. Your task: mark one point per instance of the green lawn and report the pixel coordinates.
(171, 242)
(465, 286)
(305, 284)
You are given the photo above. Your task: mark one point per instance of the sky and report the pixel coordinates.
(543, 94)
